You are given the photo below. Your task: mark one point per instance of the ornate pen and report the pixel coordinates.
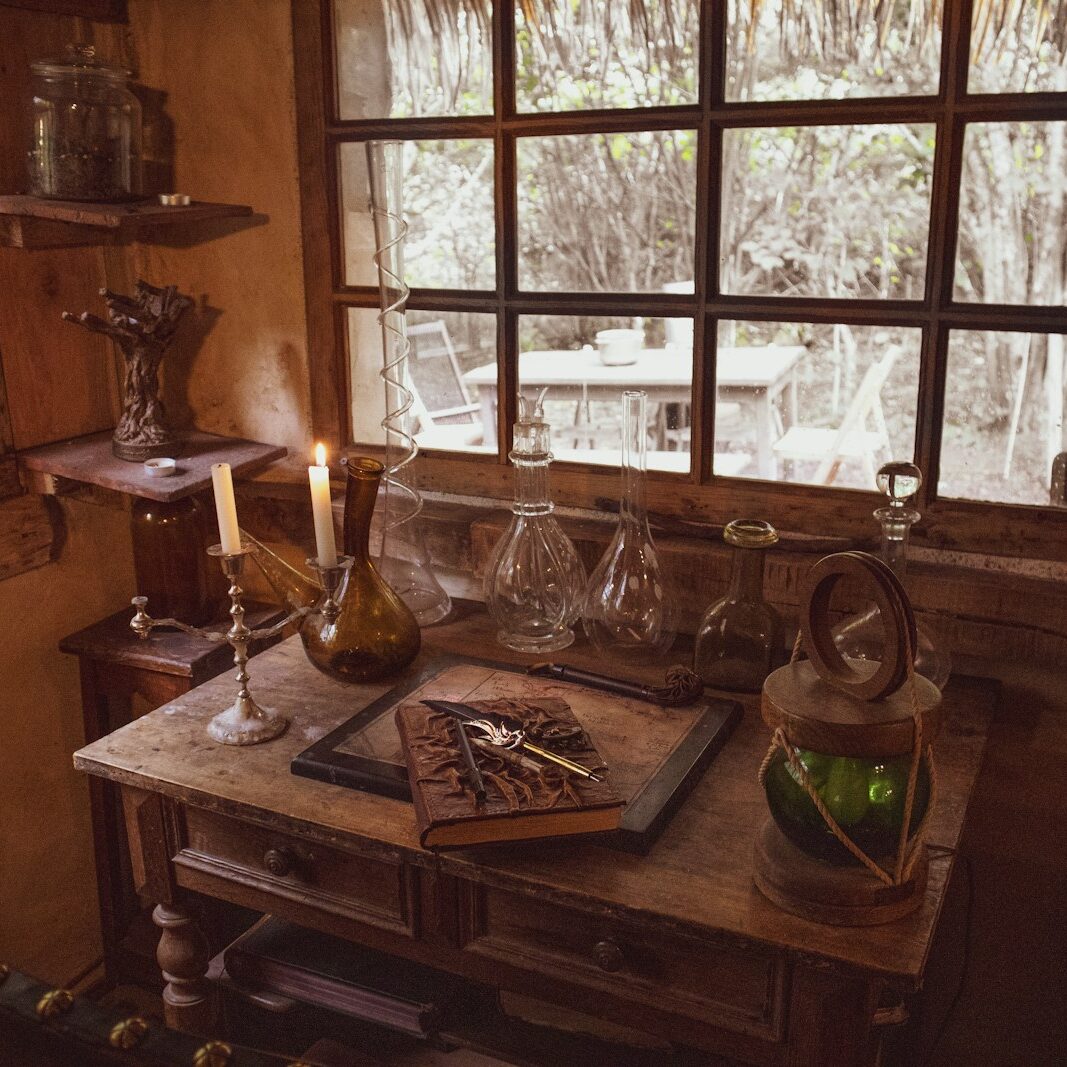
(477, 782)
(504, 737)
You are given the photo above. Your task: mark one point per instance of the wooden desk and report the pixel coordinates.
(116, 667)
(678, 942)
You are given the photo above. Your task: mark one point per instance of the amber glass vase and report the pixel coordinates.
(170, 541)
(375, 634)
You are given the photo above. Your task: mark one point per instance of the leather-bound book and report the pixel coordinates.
(525, 795)
(328, 972)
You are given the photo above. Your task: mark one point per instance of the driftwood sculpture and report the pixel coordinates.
(142, 326)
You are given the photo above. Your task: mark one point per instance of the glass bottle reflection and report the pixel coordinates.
(535, 579)
(738, 635)
(627, 613)
(375, 634)
(860, 636)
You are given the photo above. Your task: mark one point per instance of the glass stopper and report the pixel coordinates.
(899, 481)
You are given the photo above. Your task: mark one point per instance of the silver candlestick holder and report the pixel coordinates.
(244, 722)
(330, 578)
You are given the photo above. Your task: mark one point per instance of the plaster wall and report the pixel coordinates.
(221, 122)
(48, 913)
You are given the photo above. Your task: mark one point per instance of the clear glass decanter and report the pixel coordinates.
(738, 635)
(535, 578)
(860, 635)
(627, 613)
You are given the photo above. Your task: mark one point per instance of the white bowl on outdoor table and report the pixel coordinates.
(618, 348)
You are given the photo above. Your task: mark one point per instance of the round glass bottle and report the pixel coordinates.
(535, 578)
(627, 612)
(866, 797)
(375, 634)
(738, 635)
(860, 636)
(85, 130)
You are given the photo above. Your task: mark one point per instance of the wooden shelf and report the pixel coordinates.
(33, 222)
(89, 460)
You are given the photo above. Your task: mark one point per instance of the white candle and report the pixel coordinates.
(322, 509)
(226, 508)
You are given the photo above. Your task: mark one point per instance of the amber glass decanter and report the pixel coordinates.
(374, 634)
(861, 636)
(535, 578)
(738, 634)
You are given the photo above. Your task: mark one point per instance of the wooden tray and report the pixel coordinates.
(655, 755)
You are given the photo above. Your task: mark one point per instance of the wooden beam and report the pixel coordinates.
(27, 535)
(99, 10)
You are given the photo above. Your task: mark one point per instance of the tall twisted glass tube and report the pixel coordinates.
(403, 560)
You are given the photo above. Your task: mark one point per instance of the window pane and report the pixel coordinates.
(572, 56)
(1013, 230)
(401, 58)
(445, 346)
(1018, 48)
(587, 364)
(607, 212)
(819, 404)
(448, 204)
(1004, 404)
(835, 211)
(783, 50)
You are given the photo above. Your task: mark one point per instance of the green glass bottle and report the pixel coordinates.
(866, 797)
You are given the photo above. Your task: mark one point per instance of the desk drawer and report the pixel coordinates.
(737, 990)
(372, 891)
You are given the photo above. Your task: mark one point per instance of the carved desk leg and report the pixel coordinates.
(183, 955)
(183, 958)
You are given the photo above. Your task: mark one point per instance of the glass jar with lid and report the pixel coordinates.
(85, 130)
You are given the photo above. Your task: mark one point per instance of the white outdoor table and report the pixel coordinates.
(754, 377)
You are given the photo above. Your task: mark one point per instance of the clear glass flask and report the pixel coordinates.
(860, 636)
(403, 561)
(739, 634)
(535, 578)
(627, 613)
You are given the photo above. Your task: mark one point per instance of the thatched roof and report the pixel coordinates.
(453, 36)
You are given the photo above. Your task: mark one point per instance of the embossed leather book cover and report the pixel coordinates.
(526, 797)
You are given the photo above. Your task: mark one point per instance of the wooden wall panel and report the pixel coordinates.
(60, 380)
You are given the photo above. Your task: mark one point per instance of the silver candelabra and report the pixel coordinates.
(244, 722)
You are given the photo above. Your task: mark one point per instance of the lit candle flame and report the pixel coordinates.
(320, 455)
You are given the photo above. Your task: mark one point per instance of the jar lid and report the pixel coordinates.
(750, 533)
(81, 59)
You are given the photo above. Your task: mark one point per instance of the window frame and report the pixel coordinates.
(1037, 531)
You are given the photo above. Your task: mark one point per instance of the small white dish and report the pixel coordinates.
(163, 467)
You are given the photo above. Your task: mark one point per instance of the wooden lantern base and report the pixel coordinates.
(839, 896)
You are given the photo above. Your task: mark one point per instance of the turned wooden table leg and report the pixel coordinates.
(183, 958)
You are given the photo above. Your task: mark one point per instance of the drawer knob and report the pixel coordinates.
(280, 862)
(608, 956)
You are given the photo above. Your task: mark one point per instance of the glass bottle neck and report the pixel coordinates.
(896, 529)
(633, 506)
(747, 580)
(361, 494)
(531, 485)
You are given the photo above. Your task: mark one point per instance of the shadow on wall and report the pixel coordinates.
(197, 324)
